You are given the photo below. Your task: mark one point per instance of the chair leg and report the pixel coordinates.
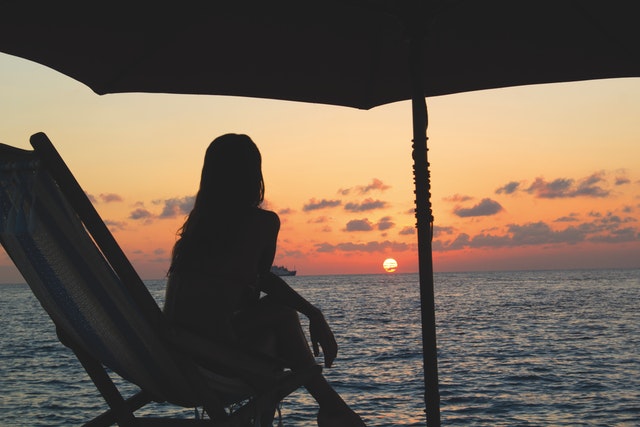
(108, 418)
(121, 412)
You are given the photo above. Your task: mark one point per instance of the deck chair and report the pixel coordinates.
(104, 313)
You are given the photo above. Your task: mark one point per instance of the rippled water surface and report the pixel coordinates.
(557, 348)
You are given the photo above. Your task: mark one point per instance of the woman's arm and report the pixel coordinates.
(274, 286)
(319, 330)
(270, 283)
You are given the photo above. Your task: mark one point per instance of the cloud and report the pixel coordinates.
(293, 253)
(376, 185)
(548, 190)
(460, 242)
(537, 233)
(366, 205)
(285, 211)
(622, 235)
(318, 220)
(385, 223)
(509, 188)
(369, 247)
(177, 206)
(486, 207)
(485, 240)
(314, 204)
(568, 188)
(540, 233)
(407, 231)
(115, 225)
(568, 218)
(622, 180)
(359, 225)
(110, 197)
(457, 198)
(140, 214)
(440, 230)
(602, 229)
(588, 186)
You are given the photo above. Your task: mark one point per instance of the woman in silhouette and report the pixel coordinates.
(221, 263)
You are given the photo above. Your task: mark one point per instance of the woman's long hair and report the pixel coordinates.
(231, 184)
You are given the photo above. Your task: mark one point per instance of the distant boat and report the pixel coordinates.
(282, 271)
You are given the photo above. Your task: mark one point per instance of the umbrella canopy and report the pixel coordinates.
(357, 53)
(350, 52)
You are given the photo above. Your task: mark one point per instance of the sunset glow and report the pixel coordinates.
(538, 177)
(390, 265)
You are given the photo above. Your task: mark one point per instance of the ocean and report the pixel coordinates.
(527, 348)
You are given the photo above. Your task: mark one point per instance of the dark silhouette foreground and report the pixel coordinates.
(221, 265)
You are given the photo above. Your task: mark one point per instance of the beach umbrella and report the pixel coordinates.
(356, 53)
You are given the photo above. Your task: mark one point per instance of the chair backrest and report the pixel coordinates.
(80, 289)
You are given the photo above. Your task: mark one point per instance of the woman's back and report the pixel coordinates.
(218, 271)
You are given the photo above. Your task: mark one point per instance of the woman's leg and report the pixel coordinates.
(280, 326)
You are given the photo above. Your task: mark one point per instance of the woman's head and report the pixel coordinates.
(232, 173)
(231, 182)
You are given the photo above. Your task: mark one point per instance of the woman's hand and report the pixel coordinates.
(322, 336)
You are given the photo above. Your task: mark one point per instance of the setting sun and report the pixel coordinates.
(390, 265)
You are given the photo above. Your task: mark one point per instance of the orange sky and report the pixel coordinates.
(538, 177)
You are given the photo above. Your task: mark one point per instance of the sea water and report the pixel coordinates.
(535, 348)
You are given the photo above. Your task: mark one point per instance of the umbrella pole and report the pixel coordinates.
(424, 217)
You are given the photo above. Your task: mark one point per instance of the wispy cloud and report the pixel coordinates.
(569, 188)
(115, 225)
(439, 230)
(375, 185)
(170, 208)
(627, 234)
(104, 198)
(286, 211)
(457, 198)
(559, 187)
(568, 218)
(407, 231)
(110, 197)
(385, 223)
(594, 186)
(486, 207)
(313, 204)
(602, 229)
(176, 207)
(318, 220)
(359, 225)
(140, 214)
(622, 181)
(509, 188)
(369, 247)
(366, 205)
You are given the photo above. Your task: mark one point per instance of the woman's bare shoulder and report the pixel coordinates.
(267, 216)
